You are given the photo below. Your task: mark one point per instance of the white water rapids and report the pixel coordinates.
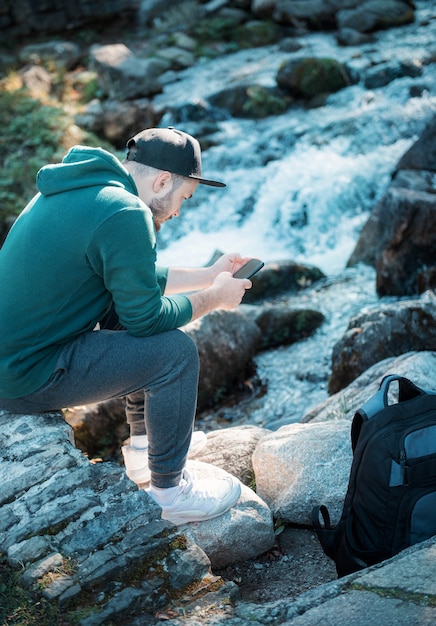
(300, 186)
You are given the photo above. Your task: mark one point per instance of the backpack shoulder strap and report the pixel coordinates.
(324, 531)
(406, 391)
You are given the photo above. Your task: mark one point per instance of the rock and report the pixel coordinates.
(178, 58)
(316, 13)
(84, 532)
(384, 73)
(83, 528)
(117, 120)
(251, 101)
(231, 449)
(99, 428)
(303, 465)
(422, 154)
(280, 277)
(352, 37)
(375, 14)
(418, 366)
(390, 330)
(63, 54)
(226, 342)
(281, 326)
(398, 240)
(124, 76)
(37, 81)
(310, 76)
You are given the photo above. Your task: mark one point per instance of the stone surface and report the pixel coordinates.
(301, 466)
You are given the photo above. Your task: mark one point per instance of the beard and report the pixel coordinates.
(161, 209)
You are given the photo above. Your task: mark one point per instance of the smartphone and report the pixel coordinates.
(249, 269)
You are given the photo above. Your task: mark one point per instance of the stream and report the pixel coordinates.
(300, 186)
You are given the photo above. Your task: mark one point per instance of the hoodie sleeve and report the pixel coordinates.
(122, 252)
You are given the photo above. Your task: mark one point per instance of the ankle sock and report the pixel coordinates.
(139, 441)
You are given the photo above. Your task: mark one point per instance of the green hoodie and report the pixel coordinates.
(84, 241)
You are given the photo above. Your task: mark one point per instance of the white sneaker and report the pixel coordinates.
(199, 499)
(136, 459)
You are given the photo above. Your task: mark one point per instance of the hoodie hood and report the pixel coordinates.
(84, 167)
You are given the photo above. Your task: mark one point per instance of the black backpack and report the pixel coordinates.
(390, 502)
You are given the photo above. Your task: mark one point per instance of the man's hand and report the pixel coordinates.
(225, 293)
(229, 263)
(184, 280)
(229, 292)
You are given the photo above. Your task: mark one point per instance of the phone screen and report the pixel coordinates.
(249, 269)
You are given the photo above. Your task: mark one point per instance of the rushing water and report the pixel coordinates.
(300, 186)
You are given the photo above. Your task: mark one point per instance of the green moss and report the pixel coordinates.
(398, 594)
(263, 102)
(323, 75)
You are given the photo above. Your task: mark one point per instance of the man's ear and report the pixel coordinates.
(162, 183)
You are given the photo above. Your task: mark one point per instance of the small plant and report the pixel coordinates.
(17, 606)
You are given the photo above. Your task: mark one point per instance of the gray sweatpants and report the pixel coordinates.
(158, 375)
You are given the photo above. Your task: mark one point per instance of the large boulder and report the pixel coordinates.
(399, 240)
(301, 466)
(84, 535)
(311, 76)
(82, 532)
(231, 449)
(122, 75)
(398, 237)
(281, 326)
(374, 335)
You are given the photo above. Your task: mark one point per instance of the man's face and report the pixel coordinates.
(166, 207)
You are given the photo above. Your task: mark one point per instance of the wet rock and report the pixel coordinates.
(311, 76)
(352, 37)
(281, 326)
(384, 73)
(390, 330)
(279, 277)
(398, 237)
(316, 13)
(375, 14)
(251, 101)
(422, 154)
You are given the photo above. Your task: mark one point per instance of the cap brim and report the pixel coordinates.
(205, 181)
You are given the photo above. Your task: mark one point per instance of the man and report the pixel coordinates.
(86, 245)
